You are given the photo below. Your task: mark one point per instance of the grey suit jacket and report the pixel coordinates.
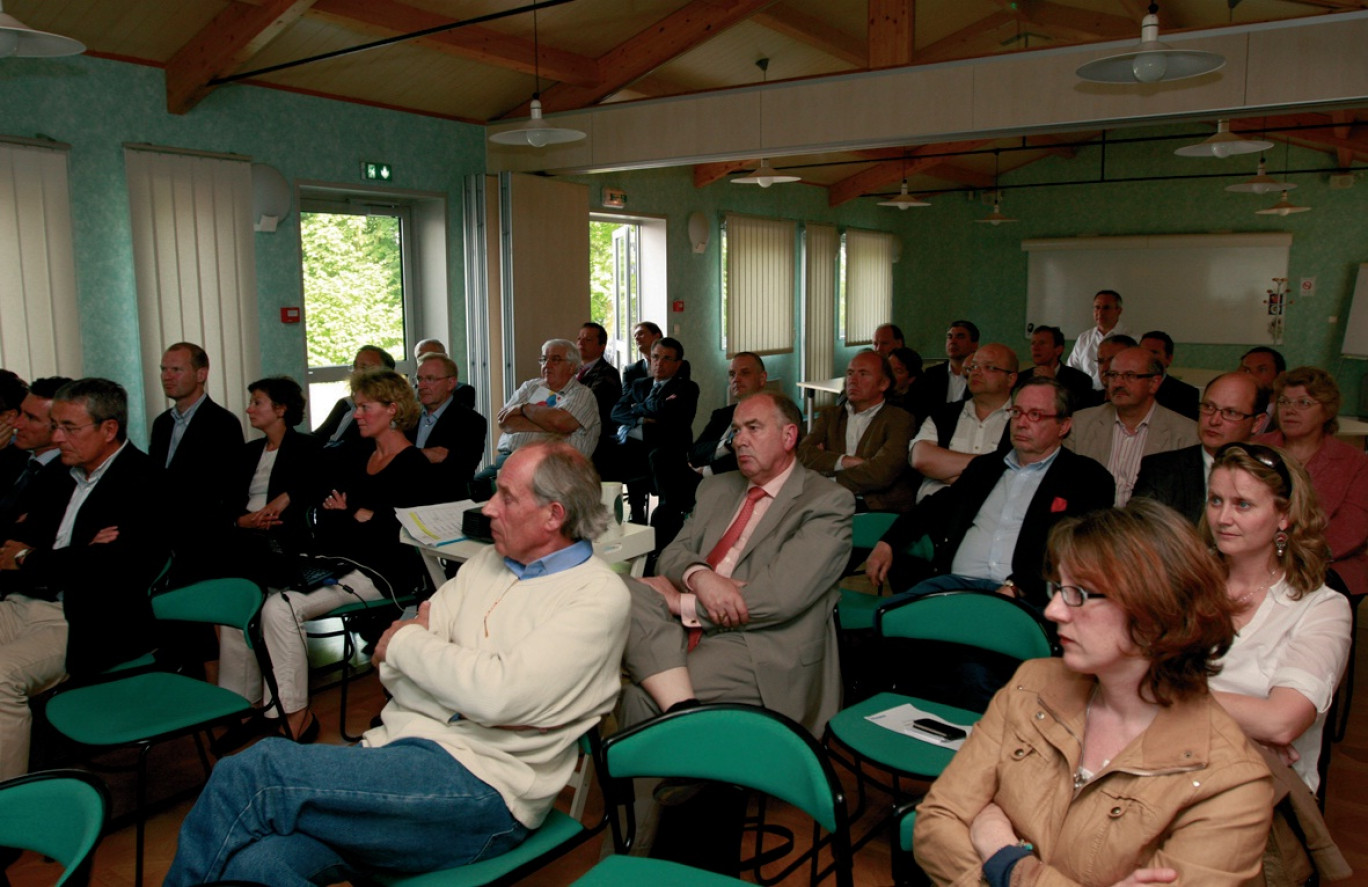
(791, 565)
(1092, 432)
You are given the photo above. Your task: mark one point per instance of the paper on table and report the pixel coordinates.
(435, 524)
(899, 719)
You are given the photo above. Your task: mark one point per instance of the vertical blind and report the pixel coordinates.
(760, 269)
(819, 314)
(869, 283)
(195, 262)
(41, 333)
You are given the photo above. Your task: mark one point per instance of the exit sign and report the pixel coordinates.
(374, 171)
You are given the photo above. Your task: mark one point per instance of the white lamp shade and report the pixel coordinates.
(536, 132)
(271, 198)
(1224, 143)
(765, 175)
(1151, 61)
(18, 39)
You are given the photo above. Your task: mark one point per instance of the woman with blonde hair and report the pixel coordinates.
(1112, 765)
(1292, 633)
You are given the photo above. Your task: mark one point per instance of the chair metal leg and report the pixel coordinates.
(348, 651)
(141, 828)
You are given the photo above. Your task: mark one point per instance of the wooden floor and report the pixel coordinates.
(177, 770)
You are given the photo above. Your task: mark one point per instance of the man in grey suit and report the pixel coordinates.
(1131, 425)
(755, 573)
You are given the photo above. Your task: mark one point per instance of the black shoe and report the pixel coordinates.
(310, 733)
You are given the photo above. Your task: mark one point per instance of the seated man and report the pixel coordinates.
(450, 435)
(1131, 425)
(42, 474)
(493, 682)
(953, 434)
(863, 444)
(749, 585)
(712, 452)
(1265, 365)
(989, 529)
(1173, 393)
(464, 394)
(552, 406)
(946, 382)
(887, 338)
(1047, 349)
(1232, 410)
(76, 574)
(13, 390)
(339, 427)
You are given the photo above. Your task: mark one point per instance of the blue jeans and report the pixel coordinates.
(948, 582)
(286, 814)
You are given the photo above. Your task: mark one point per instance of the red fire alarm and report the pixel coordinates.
(678, 306)
(289, 315)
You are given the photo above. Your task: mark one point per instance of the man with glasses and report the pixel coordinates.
(450, 435)
(339, 428)
(1232, 410)
(552, 406)
(1132, 424)
(74, 578)
(989, 528)
(1107, 310)
(954, 433)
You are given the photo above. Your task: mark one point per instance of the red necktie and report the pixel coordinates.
(727, 542)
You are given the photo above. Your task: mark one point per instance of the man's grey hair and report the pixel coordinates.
(423, 343)
(564, 475)
(102, 399)
(446, 363)
(570, 348)
(1063, 401)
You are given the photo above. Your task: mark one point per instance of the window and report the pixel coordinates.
(626, 278)
(758, 285)
(821, 247)
(41, 335)
(868, 284)
(355, 262)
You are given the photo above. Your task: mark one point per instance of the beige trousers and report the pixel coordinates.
(33, 639)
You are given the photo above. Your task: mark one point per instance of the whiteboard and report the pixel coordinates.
(1356, 331)
(1198, 288)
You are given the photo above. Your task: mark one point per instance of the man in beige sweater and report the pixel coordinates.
(493, 682)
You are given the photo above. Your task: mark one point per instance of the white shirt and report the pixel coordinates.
(971, 436)
(1302, 645)
(956, 387)
(1084, 354)
(856, 426)
(85, 485)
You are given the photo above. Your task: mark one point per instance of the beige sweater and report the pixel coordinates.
(528, 665)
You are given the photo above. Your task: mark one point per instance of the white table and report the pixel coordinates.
(632, 546)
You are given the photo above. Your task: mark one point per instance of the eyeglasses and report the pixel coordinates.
(1301, 403)
(70, 428)
(1030, 415)
(430, 379)
(1265, 456)
(1072, 594)
(1208, 408)
(553, 359)
(1114, 376)
(986, 367)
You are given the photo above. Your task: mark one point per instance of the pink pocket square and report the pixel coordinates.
(1058, 505)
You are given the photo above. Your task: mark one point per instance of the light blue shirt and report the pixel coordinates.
(987, 549)
(555, 562)
(427, 421)
(179, 422)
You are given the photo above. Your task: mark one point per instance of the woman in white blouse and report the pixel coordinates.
(1292, 632)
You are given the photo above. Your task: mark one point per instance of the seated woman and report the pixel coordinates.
(906, 365)
(1113, 765)
(1292, 633)
(1308, 401)
(373, 476)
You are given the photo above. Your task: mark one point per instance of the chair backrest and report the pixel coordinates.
(739, 744)
(868, 527)
(234, 602)
(58, 813)
(982, 619)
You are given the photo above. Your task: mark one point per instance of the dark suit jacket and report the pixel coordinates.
(296, 471)
(1176, 479)
(930, 390)
(671, 412)
(463, 432)
(341, 408)
(104, 587)
(54, 480)
(604, 381)
(1076, 382)
(704, 451)
(885, 480)
(464, 395)
(1074, 484)
(641, 369)
(1179, 396)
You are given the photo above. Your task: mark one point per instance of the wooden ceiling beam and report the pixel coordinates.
(234, 36)
(1077, 25)
(472, 41)
(918, 161)
(892, 32)
(707, 173)
(960, 175)
(1323, 136)
(682, 30)
(814, 32)
(958, 44)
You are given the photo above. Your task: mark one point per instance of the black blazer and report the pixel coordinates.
(1074, 484)
(606, 383)
(929, 391)
(104, 587)
(672, 411)
(296, 471)
(1176, 479)
(463, 432)
(341, 408)
(704, 450)
(1076, 382)
(1179, 396)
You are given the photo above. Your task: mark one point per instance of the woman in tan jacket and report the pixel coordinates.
(1113, 765)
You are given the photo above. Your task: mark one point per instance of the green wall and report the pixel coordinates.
(97, 106)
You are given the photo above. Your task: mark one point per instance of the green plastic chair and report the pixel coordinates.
(58, 813)
(738, 744)
(906, 872)
(348, 613)
(144, 709)
(978, 619)
(855, 610)
(558, 834)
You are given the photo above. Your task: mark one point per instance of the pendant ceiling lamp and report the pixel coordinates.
(1283, 207)
(904, 200)
(536, 132)
(1261, 183)
(764, 175)
(1151, 61)
(18, 39)
(1224, 143)
(996, 217)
